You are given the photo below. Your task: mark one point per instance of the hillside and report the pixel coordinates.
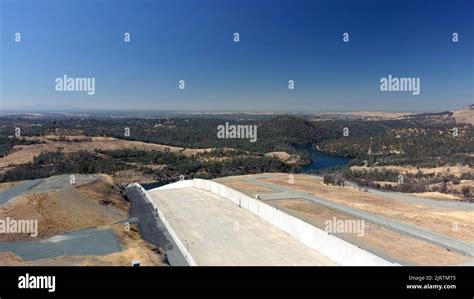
(77, 224)
(465, 116)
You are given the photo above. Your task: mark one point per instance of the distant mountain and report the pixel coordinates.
(465, 116)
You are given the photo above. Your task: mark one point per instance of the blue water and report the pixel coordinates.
(320, 160)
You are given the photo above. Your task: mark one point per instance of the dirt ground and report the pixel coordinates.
(60, 209)
(244, 187)
(129, 176)
(436, 219)
(24, 153)
(407, 250)
(285, 157)
(8, 185)
(465, 115)
(70, 144)
(437, 195)
(134, 248)
(457, 170)
(67, 209)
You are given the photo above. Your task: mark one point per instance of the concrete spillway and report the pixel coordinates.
(216, 232)
(216, 225)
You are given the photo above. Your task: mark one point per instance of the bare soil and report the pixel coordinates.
(134, 248)
(71, 208)
(436, 219)
(408, 250)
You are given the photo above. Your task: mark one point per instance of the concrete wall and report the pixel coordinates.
(168, 227)
(178, 184)
(340, 251)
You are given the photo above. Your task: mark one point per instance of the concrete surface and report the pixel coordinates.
(217, 232)
(399, 196)
(10, 193)
(337, 249)
(62, 181)
(53, 183)
(151, 228)
(85, 242)
(408, 229)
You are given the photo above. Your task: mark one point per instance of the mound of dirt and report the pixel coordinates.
(61, 210)
(134, 248)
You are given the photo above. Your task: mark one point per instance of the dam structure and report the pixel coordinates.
(215, 225)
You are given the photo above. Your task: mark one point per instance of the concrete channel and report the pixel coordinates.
(151, 228)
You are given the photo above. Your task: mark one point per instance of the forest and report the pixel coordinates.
(424, 140)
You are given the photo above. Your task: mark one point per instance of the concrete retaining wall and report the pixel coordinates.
(168, 227)
(340, 251)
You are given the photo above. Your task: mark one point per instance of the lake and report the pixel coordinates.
(320, 160)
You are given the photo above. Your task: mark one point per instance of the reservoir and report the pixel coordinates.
(320, 160)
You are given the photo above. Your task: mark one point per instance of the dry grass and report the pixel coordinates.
(436, 219)
(244, 187)
(128, 176)
(8, 185)
(285, 157)
(437, 195)
(76, 207)
(465, 116)
(70, 208)
(457, 170)
(24, 153)
(432, 218)
(410, 250)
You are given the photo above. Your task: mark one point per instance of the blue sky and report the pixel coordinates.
(280, 41)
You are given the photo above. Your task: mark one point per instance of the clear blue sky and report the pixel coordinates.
(280, 40)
